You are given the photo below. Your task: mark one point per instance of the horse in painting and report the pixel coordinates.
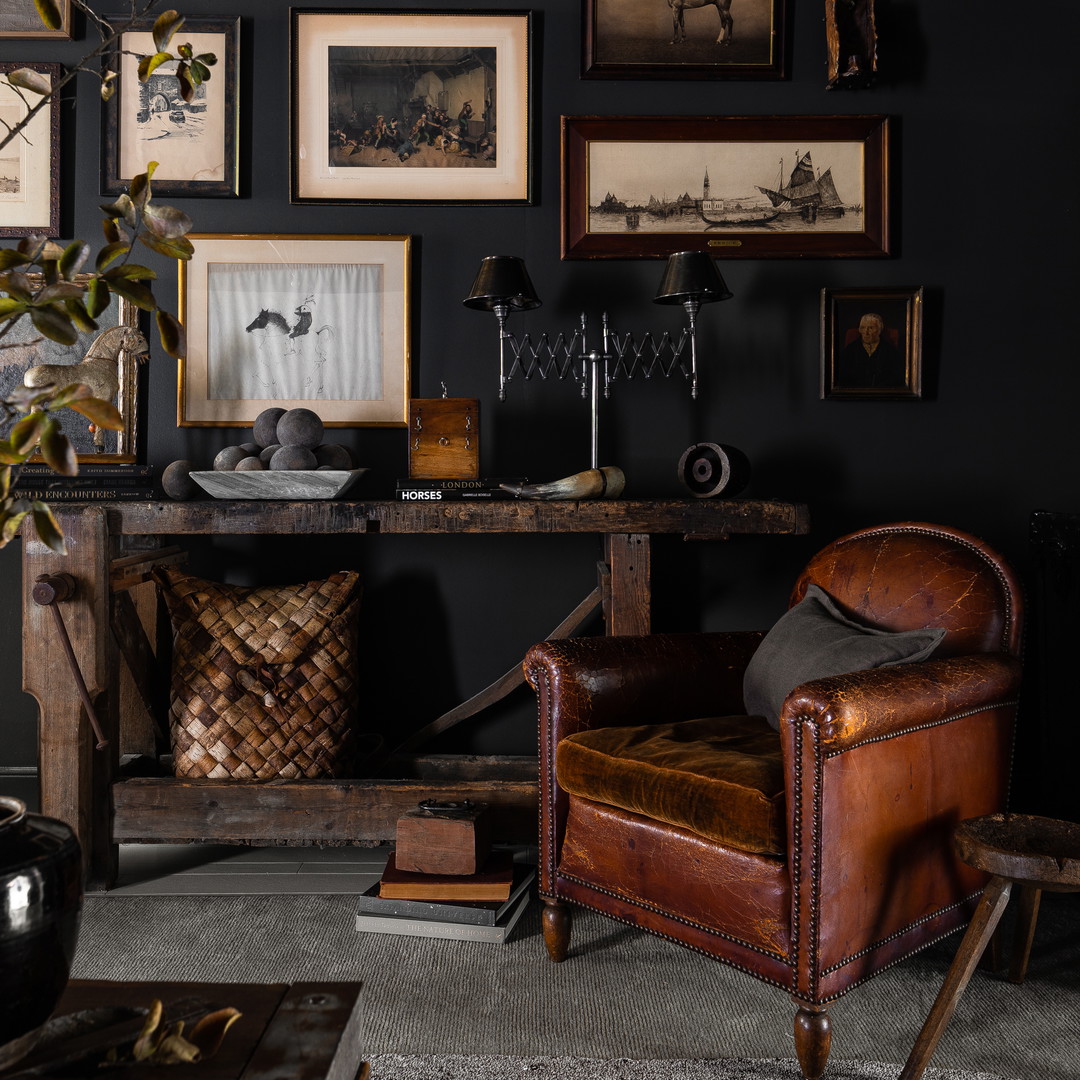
(678, 11)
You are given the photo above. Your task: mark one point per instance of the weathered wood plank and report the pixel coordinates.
(630, 606)
(299, 812)
(700, 518)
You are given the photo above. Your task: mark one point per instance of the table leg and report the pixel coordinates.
(1028, 912)
(987, 915)
(629, 556)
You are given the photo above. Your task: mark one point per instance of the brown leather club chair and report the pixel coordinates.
(815, 856)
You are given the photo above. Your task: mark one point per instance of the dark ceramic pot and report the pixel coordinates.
(40, 903)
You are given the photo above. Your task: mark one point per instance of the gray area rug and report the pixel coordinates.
(621, 994)
(456, 1067)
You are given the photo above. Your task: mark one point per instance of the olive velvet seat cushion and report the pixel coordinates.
(721, 777)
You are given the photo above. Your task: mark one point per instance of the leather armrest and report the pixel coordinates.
(869, 705)
(621, 681)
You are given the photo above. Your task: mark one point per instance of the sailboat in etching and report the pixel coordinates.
(804, 194)
(737, 211)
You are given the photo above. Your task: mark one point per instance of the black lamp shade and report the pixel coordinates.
(691, 275)
(502, 279)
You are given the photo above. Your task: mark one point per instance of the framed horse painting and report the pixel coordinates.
(289, 321)
(684, 39)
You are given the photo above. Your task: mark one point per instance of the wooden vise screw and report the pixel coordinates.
(48, 591)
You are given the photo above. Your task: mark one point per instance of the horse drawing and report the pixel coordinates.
(278, 326)
(679, 8)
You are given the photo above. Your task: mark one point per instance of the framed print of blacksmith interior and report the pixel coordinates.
(871, 344)
(684, 39)
(20, 19)
(193, 142)
(30, 166)
(315, 321)
(736, 186)
(411, 106)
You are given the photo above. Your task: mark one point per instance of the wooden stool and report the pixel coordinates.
(1035, 853)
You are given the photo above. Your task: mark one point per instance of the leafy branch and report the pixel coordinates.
(38, 276)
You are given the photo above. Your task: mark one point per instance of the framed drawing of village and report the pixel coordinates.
(30, 166)
(20, 19)
(684, 39)
(194, 142)
(739, 187)
(286, 320)
(411, 106)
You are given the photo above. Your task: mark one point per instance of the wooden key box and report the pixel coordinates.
(444, 838)
(444, 438)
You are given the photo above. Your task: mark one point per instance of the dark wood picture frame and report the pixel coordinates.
(643, 39)
(26, 23)
(206, 162)
(34, 160)
(891, 321)
(343, 64)
(627, 184)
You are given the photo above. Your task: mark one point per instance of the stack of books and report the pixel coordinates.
(435, 489)
(470, 907)
(94, 482)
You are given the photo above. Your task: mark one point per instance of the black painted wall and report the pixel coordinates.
(984, 217)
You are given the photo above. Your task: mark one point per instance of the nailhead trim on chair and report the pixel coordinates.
(923, 727)
(674, 940)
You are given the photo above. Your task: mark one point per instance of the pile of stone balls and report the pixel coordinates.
(282, 439)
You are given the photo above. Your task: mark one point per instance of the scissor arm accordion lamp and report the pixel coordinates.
(503, 286)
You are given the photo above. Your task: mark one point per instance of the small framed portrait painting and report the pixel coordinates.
(871, 344)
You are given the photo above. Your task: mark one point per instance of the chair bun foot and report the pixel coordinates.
(813, 1038)
(556, 924)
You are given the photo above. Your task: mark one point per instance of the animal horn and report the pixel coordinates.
(605, 483)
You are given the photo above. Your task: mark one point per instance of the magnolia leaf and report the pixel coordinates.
(47, 529)
(102, 413)
(5, 481)
(68, 394)
(73, 259)
(98, 297)
(27, 432)
(108, 85)
(138, 294)
(40, 249)
(131, 272)
(11, 307)
(199, 72)
(165, 25)
(55, 324)
(124, 209)
(184, 83)
(12, 519)
(29, 79)
(139, 188)
(9, 257)
(57, 450)
(166, 222)
(49, 11)
(178, 248)
(111, 252)
(78, 314)
(149, 64)
(172, 334)
(62, 290)
(30, 397)
(18, 286)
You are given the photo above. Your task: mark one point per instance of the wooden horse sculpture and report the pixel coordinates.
(99, 369)
(679, 8)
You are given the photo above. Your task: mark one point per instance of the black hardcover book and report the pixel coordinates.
(91, 470)
(97, 493)
(472, 912)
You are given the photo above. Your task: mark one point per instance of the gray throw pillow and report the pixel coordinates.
(815, 639)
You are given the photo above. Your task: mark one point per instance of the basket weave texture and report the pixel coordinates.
(263, 679)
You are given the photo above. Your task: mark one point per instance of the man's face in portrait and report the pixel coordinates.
(870, 328)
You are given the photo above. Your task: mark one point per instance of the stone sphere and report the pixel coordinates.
(251, 448)
(334, 456)
(300, 427)
(250, 464)
(176, 481)
(268, 452)
(265, 426)
(293, 457)
(229, 458)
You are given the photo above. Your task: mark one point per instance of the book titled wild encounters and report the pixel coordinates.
(470, 912)
(94, 483)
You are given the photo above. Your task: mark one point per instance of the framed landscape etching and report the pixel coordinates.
(289, 321)
(739, 187)
(411, 106)
(871, 344)
(30, 166)
(684, 39)
(194, 142)
(20, 19)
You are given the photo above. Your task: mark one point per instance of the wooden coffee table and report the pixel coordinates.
(299, 1031)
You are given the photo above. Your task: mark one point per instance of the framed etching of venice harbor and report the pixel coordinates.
(738, 187)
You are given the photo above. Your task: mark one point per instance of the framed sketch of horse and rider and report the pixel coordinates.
(684, 39)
